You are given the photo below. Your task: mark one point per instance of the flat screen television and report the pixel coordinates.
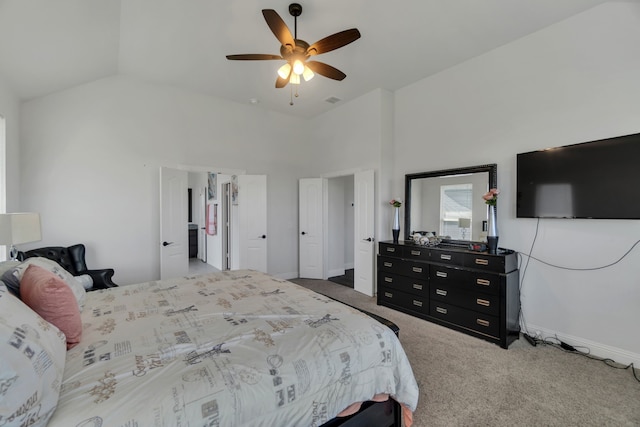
(597, 179)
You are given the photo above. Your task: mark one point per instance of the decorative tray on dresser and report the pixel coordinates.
(472, 292)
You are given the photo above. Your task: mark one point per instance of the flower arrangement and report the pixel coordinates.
(396, 203)
(491, 197)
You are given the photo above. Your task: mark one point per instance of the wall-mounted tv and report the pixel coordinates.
(597, 179)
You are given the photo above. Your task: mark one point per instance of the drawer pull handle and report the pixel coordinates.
(388, 264)
(445, 257)
(388, 294)
(483, 302)
(441, 274)
(388, 279)
(441, 292)
(417, 253)
(417, 286)
(417, 303)
(483, 282)
(482, 322)
(481, 261)
(417, 269)
(441, 310)
(391, 249)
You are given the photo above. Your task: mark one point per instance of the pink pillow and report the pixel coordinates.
(53, 300)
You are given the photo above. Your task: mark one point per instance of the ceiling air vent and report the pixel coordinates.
(333, 100)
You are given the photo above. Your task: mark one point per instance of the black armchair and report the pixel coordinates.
(72, 260)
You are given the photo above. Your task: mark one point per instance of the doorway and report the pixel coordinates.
(323, 245)
(341, 233)
(245, 225)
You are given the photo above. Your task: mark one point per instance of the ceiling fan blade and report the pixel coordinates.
(334, 41)
(326, 70)
(278, 27)
(280, 82)
(253, 57)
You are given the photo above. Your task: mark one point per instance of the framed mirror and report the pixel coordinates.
(449, 202)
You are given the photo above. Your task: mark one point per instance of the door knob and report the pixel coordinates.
(167, 243)
(264, 236)
(303, 233)
(369, 239)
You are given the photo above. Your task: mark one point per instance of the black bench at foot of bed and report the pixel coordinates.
(371, 414)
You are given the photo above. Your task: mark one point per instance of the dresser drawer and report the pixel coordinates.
(389, 296)
(416, 252)
(444, 256)
(486, 262)
(390, 250)
(474, 281)
(483, 303)
(403, 283)
(394, 265)
(404, 267)
(479, 322)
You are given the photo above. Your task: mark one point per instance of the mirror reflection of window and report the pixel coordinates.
(456, 210)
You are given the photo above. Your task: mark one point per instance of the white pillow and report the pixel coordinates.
(85, 280)
(54, 267)
(31, 366)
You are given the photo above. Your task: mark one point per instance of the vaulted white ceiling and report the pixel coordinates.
(51, 45)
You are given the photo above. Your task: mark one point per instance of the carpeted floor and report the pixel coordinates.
(465, 381)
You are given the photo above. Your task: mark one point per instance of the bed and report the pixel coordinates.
(237, 348)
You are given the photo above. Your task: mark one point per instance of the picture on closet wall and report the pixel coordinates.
(234, 189)
(213, 184)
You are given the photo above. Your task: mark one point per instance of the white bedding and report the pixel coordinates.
(238, 348)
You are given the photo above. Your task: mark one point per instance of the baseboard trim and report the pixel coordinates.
(287, 276)
(597, 349)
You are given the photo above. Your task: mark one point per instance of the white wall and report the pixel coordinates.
(575, 81)
(353, 137)
(10, 110)
(90, 158)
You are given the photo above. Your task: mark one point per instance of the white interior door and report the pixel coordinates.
(174, 233)
(311, 238)
(364, 212)
(252, 215)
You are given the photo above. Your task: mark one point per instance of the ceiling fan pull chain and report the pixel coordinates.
(291, 95)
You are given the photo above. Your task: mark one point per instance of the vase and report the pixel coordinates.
(396, 224)
(492, 230)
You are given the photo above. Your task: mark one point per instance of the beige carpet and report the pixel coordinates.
(465, 381)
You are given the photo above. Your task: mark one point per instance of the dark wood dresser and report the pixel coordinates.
(472, 292)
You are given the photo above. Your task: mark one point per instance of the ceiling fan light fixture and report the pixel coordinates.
(295, 79)
(285, 70)
(298, 67)
(307, 74)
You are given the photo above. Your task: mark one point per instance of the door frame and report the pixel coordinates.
(201, 169)
(352, 173)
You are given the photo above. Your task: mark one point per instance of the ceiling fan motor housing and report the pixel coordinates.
(295, 9)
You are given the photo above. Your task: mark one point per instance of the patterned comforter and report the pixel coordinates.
(238, 348)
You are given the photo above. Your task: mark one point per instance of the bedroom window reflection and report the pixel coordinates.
(456, 202)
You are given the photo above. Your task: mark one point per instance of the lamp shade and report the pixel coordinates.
(18, 228)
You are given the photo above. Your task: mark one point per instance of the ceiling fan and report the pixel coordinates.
(297, 52)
